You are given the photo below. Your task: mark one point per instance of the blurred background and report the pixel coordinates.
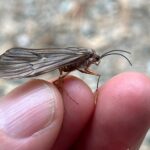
(98, 24)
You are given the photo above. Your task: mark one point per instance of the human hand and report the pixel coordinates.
(34, 116)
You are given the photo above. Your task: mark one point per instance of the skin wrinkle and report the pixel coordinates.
(29, 108)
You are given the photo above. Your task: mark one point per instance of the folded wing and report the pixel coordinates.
(22, 62)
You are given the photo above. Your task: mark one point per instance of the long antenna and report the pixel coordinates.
(116, 52)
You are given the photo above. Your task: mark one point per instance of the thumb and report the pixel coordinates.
(30, 117)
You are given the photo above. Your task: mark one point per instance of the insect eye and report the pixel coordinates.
(97, 58)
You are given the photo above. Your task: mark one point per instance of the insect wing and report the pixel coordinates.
(21, 62)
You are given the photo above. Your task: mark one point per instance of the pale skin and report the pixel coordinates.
(37, 116)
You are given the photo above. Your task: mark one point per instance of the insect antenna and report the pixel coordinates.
(116, 52)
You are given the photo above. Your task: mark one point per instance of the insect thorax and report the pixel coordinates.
(82, 63)
(71, 67)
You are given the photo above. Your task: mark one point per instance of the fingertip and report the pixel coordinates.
(33, 113)
(78, 96)
(121, 117)
(130, 88)
(79, 106)
(123, 110)
(78, 89)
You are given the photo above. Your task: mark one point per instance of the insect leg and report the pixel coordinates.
(87, 71)
(62, 75)
(59, 83)
(60, 78)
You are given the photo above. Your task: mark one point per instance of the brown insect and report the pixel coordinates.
(23, 62)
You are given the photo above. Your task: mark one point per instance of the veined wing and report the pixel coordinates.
(22, 62)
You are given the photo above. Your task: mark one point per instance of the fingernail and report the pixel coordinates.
(31, 111)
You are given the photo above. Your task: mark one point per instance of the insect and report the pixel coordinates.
(24, 63)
